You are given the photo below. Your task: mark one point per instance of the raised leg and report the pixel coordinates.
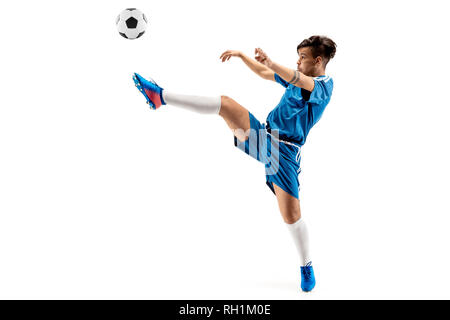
(236, 117)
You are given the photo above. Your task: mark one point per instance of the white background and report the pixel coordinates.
(102, 198)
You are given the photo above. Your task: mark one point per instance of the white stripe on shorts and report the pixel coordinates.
(297, 157)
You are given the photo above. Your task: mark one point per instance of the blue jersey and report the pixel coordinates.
(299, 110)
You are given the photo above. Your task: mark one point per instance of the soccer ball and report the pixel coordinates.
(131, 23)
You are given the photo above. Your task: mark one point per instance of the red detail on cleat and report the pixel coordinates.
(154, 97)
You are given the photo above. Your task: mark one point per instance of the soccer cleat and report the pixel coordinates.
(151, 91)
(308, 279)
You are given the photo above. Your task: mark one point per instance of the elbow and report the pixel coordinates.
(268, 75)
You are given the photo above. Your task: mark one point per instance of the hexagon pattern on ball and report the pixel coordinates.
(131, 23)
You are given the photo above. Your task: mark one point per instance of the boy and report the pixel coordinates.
(276, 143)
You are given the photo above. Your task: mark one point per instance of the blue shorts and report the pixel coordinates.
(280, 157)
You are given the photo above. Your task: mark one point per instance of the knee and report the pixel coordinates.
(291, 216)
(224, 106)
(225, 101)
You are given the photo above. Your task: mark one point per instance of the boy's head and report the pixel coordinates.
(314, 54)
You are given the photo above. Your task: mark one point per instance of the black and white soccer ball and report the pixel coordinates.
(131, 23)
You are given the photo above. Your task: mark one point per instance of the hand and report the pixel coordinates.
(262, 57)
(230, 53)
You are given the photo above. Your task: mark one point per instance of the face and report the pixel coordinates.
(306, 64)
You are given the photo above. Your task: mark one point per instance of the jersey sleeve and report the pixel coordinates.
(323, 88)
(281, 81)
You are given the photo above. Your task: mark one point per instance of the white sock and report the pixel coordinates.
(204, 105)
(299, 233)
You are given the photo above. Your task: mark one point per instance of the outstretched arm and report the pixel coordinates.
(294, 77)
(257, 67)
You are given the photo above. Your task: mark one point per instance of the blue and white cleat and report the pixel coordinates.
(151, 91)
(308, 279)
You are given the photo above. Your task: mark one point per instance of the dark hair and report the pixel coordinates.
(320, 46)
